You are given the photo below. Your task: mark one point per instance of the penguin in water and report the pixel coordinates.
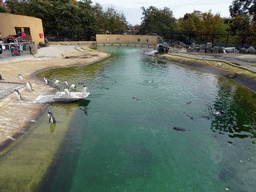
(1, 77)
(20, 77)
(18, 95)
(51, 117)
(29, 87)
(46, 80)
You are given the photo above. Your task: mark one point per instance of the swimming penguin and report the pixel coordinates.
(51, 117)
(29, 87)
(20, 77)
(218, 112)
(18, 95)
(46, 80)
(66, 92)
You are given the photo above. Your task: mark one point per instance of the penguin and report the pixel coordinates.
(1, 77)
(73, 86)
(20, 77)
(56, 83)
(51, 117)
(29, 87)
(66, 84)
(46, 80)
(66, 92)
(18, 95)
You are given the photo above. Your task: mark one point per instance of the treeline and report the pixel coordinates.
(82, 15)
(69, 14)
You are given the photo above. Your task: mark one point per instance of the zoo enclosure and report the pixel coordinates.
(217, 39)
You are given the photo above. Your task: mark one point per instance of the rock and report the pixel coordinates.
(221, 49)
(192, 45)
(250, 50)
(242, 50)
(190, 49)
(218, 64)
(202, 48)
(230, 49)
(216, 49)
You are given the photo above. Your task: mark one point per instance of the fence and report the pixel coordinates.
(16, 48)
(222, 40)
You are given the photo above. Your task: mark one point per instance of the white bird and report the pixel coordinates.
(18, 95)
(66, 92)
(66, 83)
(56, 83)
(51, 117)
(29, 87)
(46, 80)
(72, 87)
(20, 77)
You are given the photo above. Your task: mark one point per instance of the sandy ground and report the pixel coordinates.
(16, 116)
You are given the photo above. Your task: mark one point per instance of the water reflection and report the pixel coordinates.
(52, 127)
(238, 105)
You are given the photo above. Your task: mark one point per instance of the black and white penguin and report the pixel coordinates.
(29, 87)
(1, 77)
(18, 95)
(56, 83)
(72, 86)
(51, 117)
(20, 77)
(66, 92)
(46, 80)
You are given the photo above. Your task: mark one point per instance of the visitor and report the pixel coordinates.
(23, 34)
(10, 39)
(18, 33)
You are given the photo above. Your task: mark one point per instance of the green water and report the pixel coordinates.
(122, 144)
(116, 143)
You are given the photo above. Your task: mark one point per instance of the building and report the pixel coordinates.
(11, 24)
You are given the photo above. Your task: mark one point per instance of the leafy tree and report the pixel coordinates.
(243, 7)
(191, 22)
(155, 20)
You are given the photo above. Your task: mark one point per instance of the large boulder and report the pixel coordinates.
(250, 50)
(242, 50)
(216, 49)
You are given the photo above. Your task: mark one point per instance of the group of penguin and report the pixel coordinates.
(47, 81)
(28, 85)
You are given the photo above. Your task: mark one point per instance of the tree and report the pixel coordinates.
(243, 7)
(155, 20)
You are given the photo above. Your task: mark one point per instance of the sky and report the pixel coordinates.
(133, 12)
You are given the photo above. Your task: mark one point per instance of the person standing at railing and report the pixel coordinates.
(23, 34)
(18, 33)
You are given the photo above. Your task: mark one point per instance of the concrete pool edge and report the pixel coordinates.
(237, 73)
(6, 142)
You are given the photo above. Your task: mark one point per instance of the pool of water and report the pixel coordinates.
(115, 142)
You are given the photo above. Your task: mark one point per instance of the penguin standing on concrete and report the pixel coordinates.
(72, 87)
(20, 77)
(46, 80)
(66, 85)
(18, 95)
(56, 83)
(29, 87)
(51, 117)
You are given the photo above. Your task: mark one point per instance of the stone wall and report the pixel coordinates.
(8, 22)
(126, 39)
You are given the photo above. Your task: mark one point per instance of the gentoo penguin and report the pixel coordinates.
(66, 92)
(46, 80)
(51, 117)
(20, 77)
(72, 87)
(18, 95)
(56, 83)
(29, 87)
